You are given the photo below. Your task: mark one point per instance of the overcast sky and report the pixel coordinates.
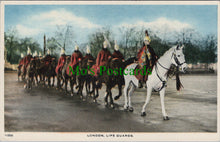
(37, 20)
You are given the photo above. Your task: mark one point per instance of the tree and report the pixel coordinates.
(96, 40)
(126, 33)
(64, 36)
(11, 43)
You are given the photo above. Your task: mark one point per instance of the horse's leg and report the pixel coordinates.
(53, 80)
(66, 83)
(131, 91)
(58, 81)
(162, 94)
(120, 92)
(106, 97)
(87, 86)
(149, 90)
(126, 96)
(111, 99)
(71, 85)
(36, 78)
(48, 78)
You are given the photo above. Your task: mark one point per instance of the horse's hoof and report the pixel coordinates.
(25, 86)
(166, 118)
(106, 103)
(116, 97)
(84, 100)
(125, 108)
(96, 96)
(112, 106)
(131, 109)
(71, 94)
(94, 100)
(143, 114)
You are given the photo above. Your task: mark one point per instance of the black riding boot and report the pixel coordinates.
(140, 84)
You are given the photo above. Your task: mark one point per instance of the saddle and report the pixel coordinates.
(141, 73)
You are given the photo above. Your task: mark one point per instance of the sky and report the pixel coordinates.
(37, 20)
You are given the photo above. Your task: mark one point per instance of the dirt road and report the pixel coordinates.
(49, 110)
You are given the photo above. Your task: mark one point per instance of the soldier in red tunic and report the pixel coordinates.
(27, 59)
(146, 57)
(48, 58)
(75, 58)
(61, 61)
(117, 53)
(103, 56)
(88, 54)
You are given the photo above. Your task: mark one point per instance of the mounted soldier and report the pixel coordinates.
(146, 58)
(117, 53)
(103, 56)
(21, 64)
(61, 61)
(35, 55)
(27, 59)
(88, 54)
(75, 59)
(48, 58)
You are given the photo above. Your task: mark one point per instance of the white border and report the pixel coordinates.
(81, 136)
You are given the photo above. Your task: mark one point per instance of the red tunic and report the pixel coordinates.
(117, 54)
(101, 60)
(103, 57)
(75, 58)
(27, 60)
(21, 62)
(61, 62)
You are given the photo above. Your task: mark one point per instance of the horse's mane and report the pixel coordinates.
(170, 50)
(174, 70)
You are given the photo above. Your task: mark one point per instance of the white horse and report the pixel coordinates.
(157, 80)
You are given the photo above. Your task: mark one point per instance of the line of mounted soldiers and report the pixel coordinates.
(46, 67)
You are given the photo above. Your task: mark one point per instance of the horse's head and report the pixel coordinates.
(178, 58)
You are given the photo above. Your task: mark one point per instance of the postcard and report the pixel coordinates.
(109, 71)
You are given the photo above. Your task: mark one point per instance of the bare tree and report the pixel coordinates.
(64, 36)
(96, 40)
(127, 34)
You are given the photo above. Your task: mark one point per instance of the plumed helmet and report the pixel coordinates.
(116, 46)
(35, 54)
(76, 47)
(48, 51)
(62, 51)
(29, 51)
(105, 44)
(88, 49)
(22, 55)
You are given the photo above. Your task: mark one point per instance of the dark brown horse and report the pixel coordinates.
(31, 67)
(69, 77)
(110, 79)
(84, 77)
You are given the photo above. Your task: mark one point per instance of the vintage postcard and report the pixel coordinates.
(109, 71)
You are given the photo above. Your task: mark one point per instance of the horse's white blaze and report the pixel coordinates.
(154, 82)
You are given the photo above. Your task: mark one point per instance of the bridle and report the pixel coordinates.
(156, 69)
